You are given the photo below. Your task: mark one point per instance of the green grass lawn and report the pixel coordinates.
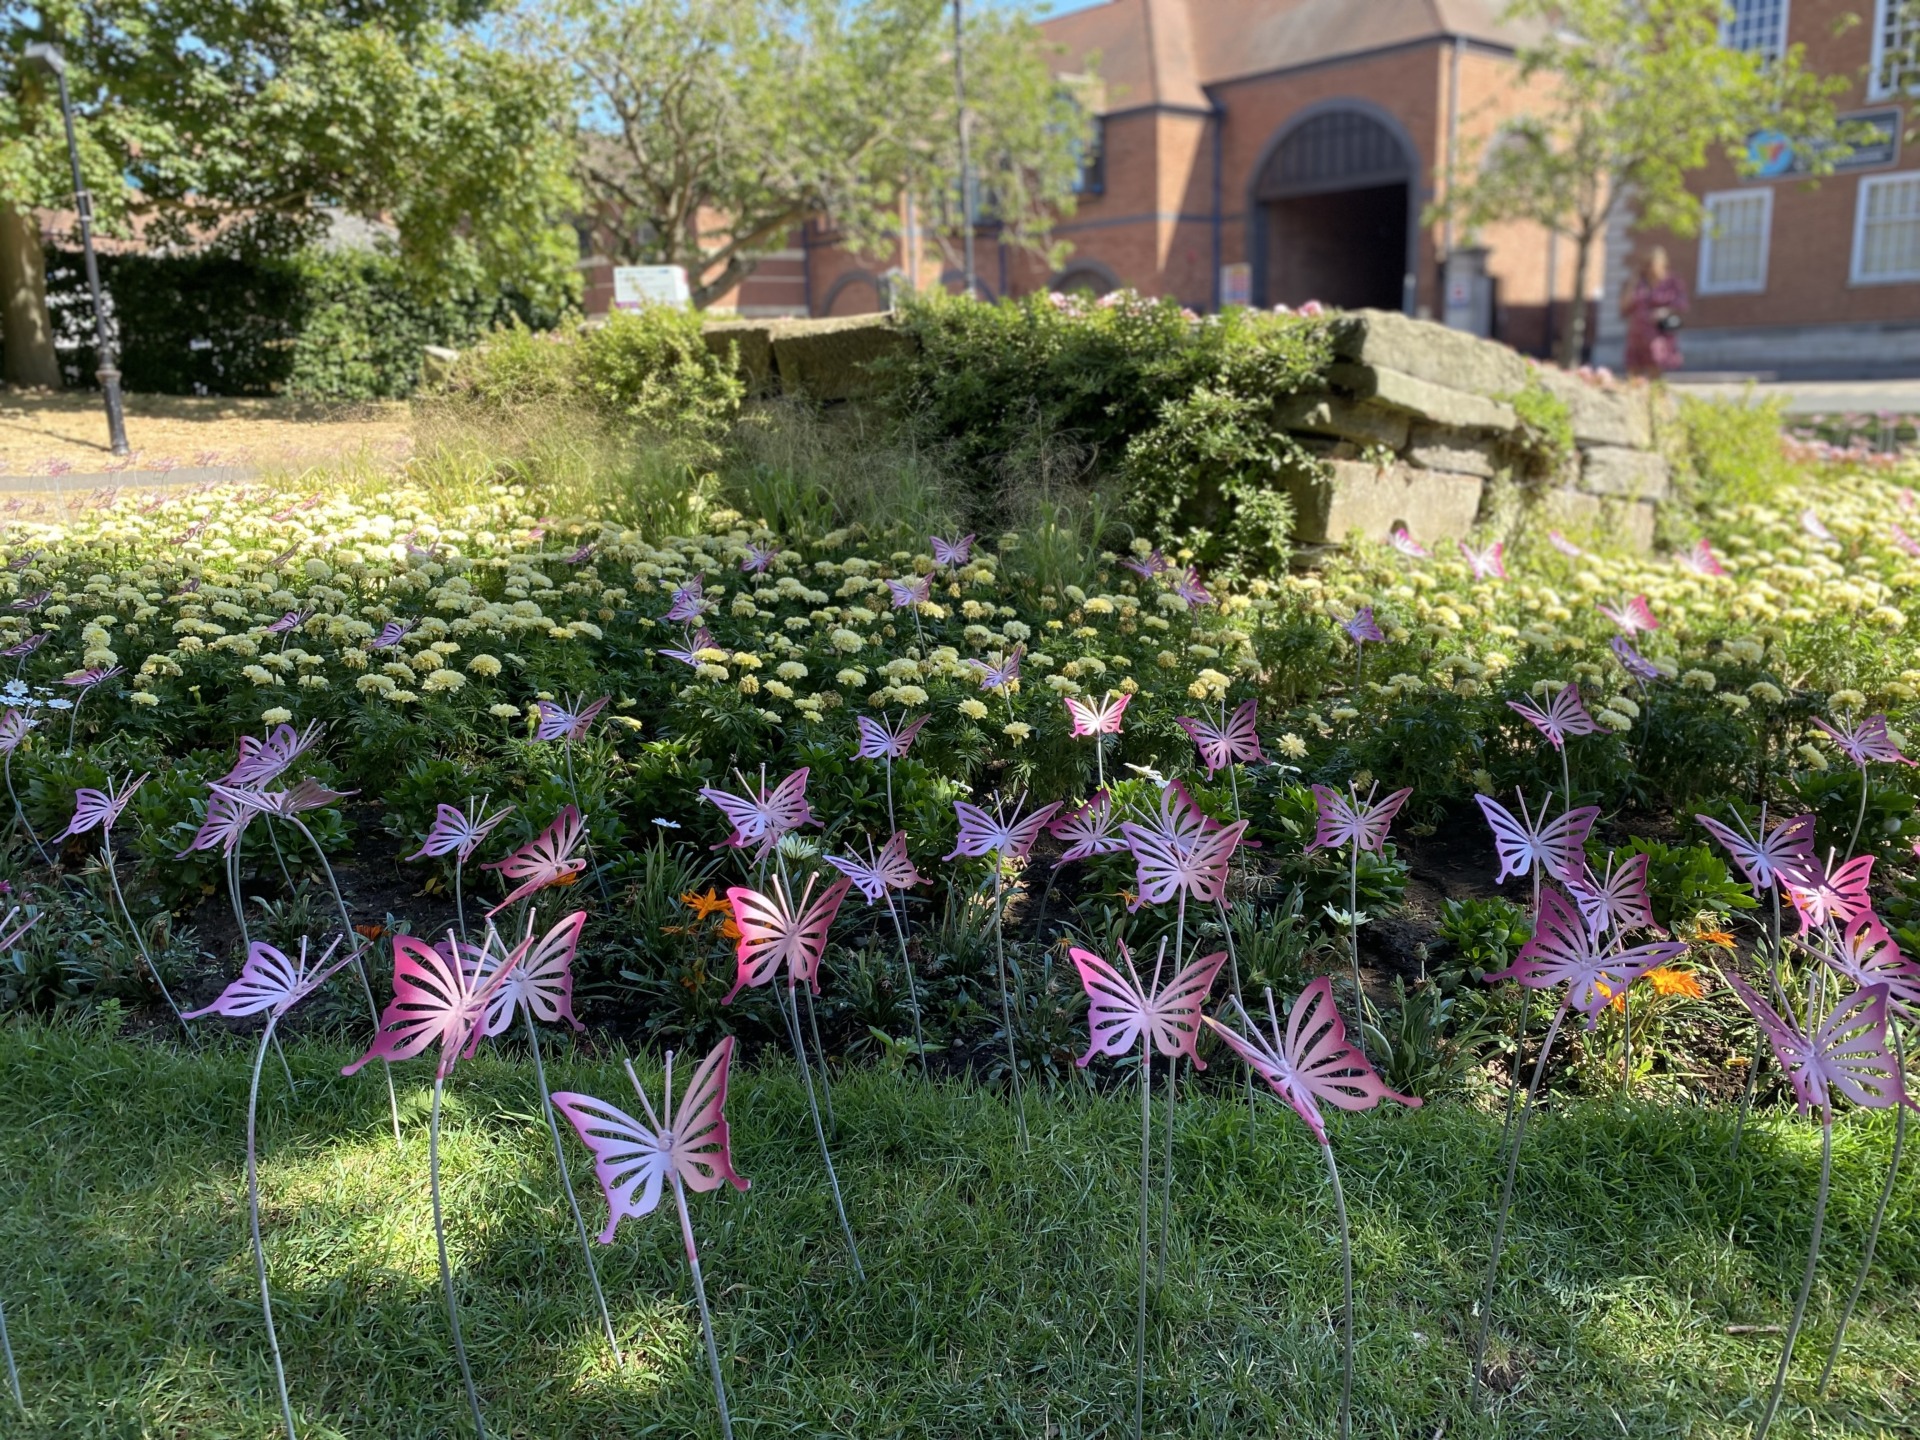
(1000, 1293)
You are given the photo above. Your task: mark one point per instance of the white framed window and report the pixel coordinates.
(1758, 25)
(1733, 242)
(1891, 69)
(1886, 230)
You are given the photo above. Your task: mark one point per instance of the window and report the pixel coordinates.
(1093, 162)
(1894, 37)
(1733, 244)
(1886, 229)
(1759, 25)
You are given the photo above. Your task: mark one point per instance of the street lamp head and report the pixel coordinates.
(48, 55)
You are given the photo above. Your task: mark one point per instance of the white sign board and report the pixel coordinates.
(637, 285)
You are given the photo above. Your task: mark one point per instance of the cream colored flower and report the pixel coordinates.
(278, 715)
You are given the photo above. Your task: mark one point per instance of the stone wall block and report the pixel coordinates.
(1602, 519)
(1432, 448)
(829, 359)
(1424, 399)
(1367, 501)
(1343, 419)
(1602, 416)
(1616, 470)
(1427, 351)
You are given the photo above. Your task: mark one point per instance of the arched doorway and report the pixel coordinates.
(1335, 210)
(855, 293)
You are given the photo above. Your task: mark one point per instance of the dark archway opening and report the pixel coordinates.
(1334, 203)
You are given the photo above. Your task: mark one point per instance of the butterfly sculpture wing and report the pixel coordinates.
(1632, 661)
(953, 552)
(1342, 822)
(1096, 717)
(773, 932)
(908, 593)
(1002, 672)
(1557, 847)
(1565, 546)
(454, 831)
(1867, 955)
(1091, 830)
(892, 869)
(546, 860)
(1191, 590)
(1314, 1062)
(1165, 866)
(1847, 1051)
(539, 976)
(701, 639)
(1562, 951)
(1704, 562)
(97, 809)
(268, 980)
(1905, 541)
(983, 834)
(1402, 540)
(1236, 742)
(877, 742)
(631, 1160)
(438, 996)
(1487, 564)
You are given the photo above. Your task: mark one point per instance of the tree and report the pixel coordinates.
(247, 123)
(711, 128)
(1641, 93)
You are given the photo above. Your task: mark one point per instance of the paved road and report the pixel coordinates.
(1813, 397)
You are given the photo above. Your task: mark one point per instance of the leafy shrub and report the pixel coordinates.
(1729, 454)
(1485, 934)
(1684, 880)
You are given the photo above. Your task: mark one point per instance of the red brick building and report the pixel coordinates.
(1269, 151)
(1796, 277)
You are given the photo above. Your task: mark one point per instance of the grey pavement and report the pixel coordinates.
(1808, 397)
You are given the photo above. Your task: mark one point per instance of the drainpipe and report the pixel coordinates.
(806, 264)
(1219, 125)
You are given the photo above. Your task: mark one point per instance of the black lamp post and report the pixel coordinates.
(109, 371)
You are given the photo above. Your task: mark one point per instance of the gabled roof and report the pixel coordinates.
(1166, 51)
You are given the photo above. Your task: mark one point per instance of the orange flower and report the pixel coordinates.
(569, 879)
(1128, 896)
(372, 932)
(1721, 938)
(705, 906)
(1668, 981)
(729, 930)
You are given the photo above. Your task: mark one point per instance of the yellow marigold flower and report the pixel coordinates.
(401, 697)
(378, 685)
(851, 676)
(1700, 680)
(440, 681)
(791, 670)
(145, 697)
(1292, 746)
(750, 684)
(278, 715)
(1847, 700)
(1017, 730)
(504, 711)
(485, 666)
(973, 709)
(313, 682)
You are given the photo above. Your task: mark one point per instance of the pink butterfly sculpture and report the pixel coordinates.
(226, 821)
(701, 639)
(1313, 1064)
(1905, 541)
(1563, 715)
(14, 726)
(581, 555)
(1866, 954)
(265, 759)
(23, 648)
(547, 859)
(1235, 741)
(1702, 561)
(1632, 661)
(879, 741)
(1535, 847)
(952, 553)
(759, 559)
(30, 602)
(1812, 524)
(1344, 821)
(1182, 853)
(1096, 717)
(690, 1149)
(1630, 616)
(997, 834)
(1615, 901)
(1402, 540)
(459, 832)
(1000, 671)
(775, 932)
(391, 634)
(568, 723)
(1487, 564)
(1563, 951)
(1146, 567)
(440, 995)
(908, 593)
(290, 621)
(269, 983)
(761, 818)
(1192, 591)
(1867, 743)
(98, 809)
(92, 676)
(1363, 629)
(1122, 1014)
(539, 976)
(289, 803)
(1782, 856)
(1565, 546)
(688, 601)
(1091, 830)
(1834, 894)
(891, 869)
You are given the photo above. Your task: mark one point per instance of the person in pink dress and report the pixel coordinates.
(1652, 303)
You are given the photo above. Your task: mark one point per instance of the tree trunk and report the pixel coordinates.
(1576, 337)
(27, 332)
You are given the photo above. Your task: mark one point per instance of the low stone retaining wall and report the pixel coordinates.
(1417, 423)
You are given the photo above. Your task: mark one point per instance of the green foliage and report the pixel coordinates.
(1485, 934)
(1728, 453)
(1545, 438)
(1420, 1047)
(1685, 880)
(321, 324)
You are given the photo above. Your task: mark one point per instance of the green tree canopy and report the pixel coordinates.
(710, 128)
(249, 122)
(1642, 93)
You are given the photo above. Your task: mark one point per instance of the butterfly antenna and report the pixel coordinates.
(666, 1093)
(1273, 1017)
(638, 1089)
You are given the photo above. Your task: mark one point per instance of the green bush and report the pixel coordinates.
(1728, 454)
(1180, 411)
(645, 372)
(324, 325)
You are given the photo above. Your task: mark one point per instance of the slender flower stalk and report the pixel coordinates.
(253, 1221)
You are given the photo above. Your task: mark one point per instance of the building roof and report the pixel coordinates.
(1166, 51)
